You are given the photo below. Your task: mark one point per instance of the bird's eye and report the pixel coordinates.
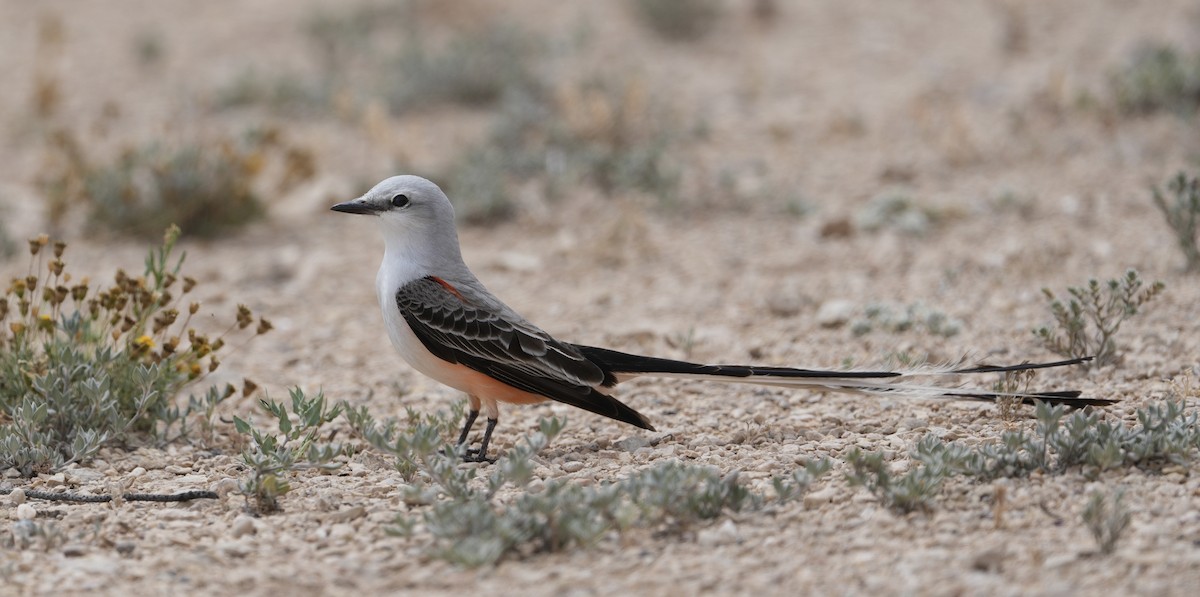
(400, 201)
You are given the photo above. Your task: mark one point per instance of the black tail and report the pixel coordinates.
(615, 364)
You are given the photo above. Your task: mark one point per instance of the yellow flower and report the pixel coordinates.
(144, 341)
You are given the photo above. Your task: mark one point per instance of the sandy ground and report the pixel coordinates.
(832, 103)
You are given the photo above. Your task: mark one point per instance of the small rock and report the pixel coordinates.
(725, 534)
(991, 560)
(340, 532)
(572, 467)
(137, 472)
(233, 549)
(352, 513)
(83, 476)
(11, 473)
(632, 443)
(1059, 561)
(178, 514)
(817, 498)
(26, 512)
(126, 548)
(17, 496)
(74, 550)
(243, 525)
(224, 487)
(837, 228)
(785, 305)
(835, 313)
(54, 480)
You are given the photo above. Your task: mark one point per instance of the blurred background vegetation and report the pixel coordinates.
(178, 116)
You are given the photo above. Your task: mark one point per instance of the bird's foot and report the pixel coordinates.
(475, 455)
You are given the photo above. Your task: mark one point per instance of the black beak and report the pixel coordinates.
(356, 207)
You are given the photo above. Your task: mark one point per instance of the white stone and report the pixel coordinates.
(834, 313)
(26, 512)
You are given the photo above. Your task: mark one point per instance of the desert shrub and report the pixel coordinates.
(602, 132)
(678, 19)
(895, 318)
(1158, 77)
(1180, 206)
(466, 522)
(1166, 433)
(896, 211)
(472, 68)
(84, 365)
(1106, 518)
(206, 186)
(8, 247)
(272, 457)
(205, 189)
(1088, 322)
(911, 491)
(368, 53)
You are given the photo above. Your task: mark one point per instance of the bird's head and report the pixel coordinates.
(415, 215)
(401, 198)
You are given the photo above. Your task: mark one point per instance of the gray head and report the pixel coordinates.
(414, 213)
(401, 197)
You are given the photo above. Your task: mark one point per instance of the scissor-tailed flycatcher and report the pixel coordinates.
(449, 327)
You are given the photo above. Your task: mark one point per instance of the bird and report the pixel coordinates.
(447, 325)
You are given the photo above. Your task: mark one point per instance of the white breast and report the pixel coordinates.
(389, 279)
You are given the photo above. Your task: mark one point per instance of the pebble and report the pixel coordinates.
(785, 305)
(82, 476)
(991, 560)
(341, 532)
(834, 313)
(816, 499)
(17, 496)
(572, 467)
(351, 513)
(725, 534)
(243, 525)
(233, 549)
(224, 487)
(632, 443)
(26, 512)
(74, 550)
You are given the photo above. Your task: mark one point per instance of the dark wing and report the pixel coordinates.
(512, 351)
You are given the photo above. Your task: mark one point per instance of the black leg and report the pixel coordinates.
(471, 416)
(481, 455)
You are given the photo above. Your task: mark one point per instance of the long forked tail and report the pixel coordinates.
(619, 366)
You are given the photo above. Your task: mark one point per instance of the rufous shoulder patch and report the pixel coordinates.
(448, 286)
